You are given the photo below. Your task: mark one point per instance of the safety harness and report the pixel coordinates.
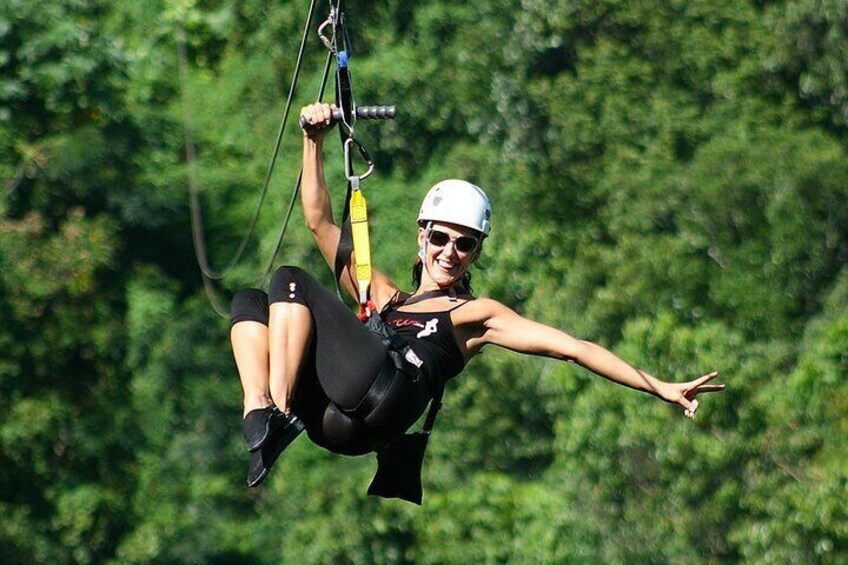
(401, 360)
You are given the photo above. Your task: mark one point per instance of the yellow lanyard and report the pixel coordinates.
(359, 231)
(361, 244)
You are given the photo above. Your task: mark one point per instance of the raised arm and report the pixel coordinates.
(504, 327)
(317, 207)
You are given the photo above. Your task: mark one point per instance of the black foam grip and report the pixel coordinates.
(362, 113)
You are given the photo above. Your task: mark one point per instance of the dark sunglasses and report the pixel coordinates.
(463, 243)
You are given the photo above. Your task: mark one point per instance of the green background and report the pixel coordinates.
(669, 180)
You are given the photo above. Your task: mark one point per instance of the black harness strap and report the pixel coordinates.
(400, 362)
(435, 406)
(345, 247)
(344, 101)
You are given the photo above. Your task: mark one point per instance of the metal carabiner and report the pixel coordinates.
(353, 178)
(332, 20)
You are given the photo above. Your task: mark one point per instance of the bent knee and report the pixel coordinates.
(289, 284)
(250, 304)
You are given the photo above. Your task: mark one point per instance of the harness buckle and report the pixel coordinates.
(366, 310)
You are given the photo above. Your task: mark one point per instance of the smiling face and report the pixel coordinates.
(447, 253)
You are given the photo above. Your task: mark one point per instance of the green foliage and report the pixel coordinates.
(813, 36)
(791, 511)
(63, 424)
(668, 180)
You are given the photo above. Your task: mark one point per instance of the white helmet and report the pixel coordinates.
(457, 202)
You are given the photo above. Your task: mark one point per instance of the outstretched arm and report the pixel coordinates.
(504, 327)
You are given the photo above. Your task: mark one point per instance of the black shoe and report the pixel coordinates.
(263, 459)
(260, 424)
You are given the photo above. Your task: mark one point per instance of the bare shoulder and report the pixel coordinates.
(477, 312)
(481, 321)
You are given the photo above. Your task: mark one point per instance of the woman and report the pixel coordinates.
(306, 362)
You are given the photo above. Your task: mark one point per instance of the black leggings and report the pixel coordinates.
(343, 359)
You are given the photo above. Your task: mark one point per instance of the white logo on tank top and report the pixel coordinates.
(429, 329)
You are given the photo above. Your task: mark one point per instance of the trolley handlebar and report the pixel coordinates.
(362, 113)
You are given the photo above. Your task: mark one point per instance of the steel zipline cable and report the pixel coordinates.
(261, 281)
(347, 115)
(335, 11)
(198, 237)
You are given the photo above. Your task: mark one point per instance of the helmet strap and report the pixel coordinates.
(423, 252)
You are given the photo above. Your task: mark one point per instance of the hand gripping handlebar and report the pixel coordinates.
(362, 113)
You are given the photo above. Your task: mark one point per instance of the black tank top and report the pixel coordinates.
(431, 336)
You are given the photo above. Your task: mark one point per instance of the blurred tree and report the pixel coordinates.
(65, 430)
(812, 57)
(668, 180)
(792, 508)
